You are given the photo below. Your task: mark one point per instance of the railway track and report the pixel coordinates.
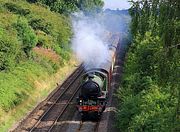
(51, 109)
(73, 122)
(58, 113)
(88, 126)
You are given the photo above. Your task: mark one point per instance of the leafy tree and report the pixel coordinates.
(90, 6)
(64, 6)
(150, 91)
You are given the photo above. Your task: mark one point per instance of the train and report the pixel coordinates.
(95, 85)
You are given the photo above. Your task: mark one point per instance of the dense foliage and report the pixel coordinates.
(69, 6)
(35, 38)
(150, 94)
(24, 27)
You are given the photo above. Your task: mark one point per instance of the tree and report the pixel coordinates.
(90, 6)
(151, 82)
(69, 6)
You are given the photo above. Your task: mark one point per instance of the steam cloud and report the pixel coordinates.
(88, 44)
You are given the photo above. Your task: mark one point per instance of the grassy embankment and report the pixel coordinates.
(34, 56)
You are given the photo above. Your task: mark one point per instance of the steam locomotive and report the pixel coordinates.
(95, 85)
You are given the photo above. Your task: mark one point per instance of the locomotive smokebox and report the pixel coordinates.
(90, 89)
(92, 86)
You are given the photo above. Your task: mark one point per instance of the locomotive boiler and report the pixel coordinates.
(95, 85)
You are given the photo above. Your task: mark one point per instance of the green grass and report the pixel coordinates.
(25, 86)
(16, 86)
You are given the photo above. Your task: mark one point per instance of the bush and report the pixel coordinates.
(17, 9)
(150, 110)
(44, 40)
(40, 24)
(26, 35)
(9, 49)
(62, 52)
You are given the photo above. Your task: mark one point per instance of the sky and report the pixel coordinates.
(114, 4)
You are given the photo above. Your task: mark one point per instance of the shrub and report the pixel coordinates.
(26, 35)
(44, 40)
(9, 50)
(62, 52)
(150, 110)
(16, 9)
(40, 24)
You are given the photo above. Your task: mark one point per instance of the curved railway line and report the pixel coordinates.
(57, 113)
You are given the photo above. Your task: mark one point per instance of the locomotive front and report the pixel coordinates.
(96, 84)
(93, 94)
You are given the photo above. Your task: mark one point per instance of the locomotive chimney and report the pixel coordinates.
(90, 76)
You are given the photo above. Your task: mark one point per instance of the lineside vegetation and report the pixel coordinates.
(35, 37)
(150, 94)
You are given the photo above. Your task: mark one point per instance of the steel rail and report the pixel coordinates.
(52, 94)
(49, 108)
(64, 109)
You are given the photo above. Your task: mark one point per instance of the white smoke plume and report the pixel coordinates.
(88, 43)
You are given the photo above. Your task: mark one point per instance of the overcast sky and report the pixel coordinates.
(114, 4)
